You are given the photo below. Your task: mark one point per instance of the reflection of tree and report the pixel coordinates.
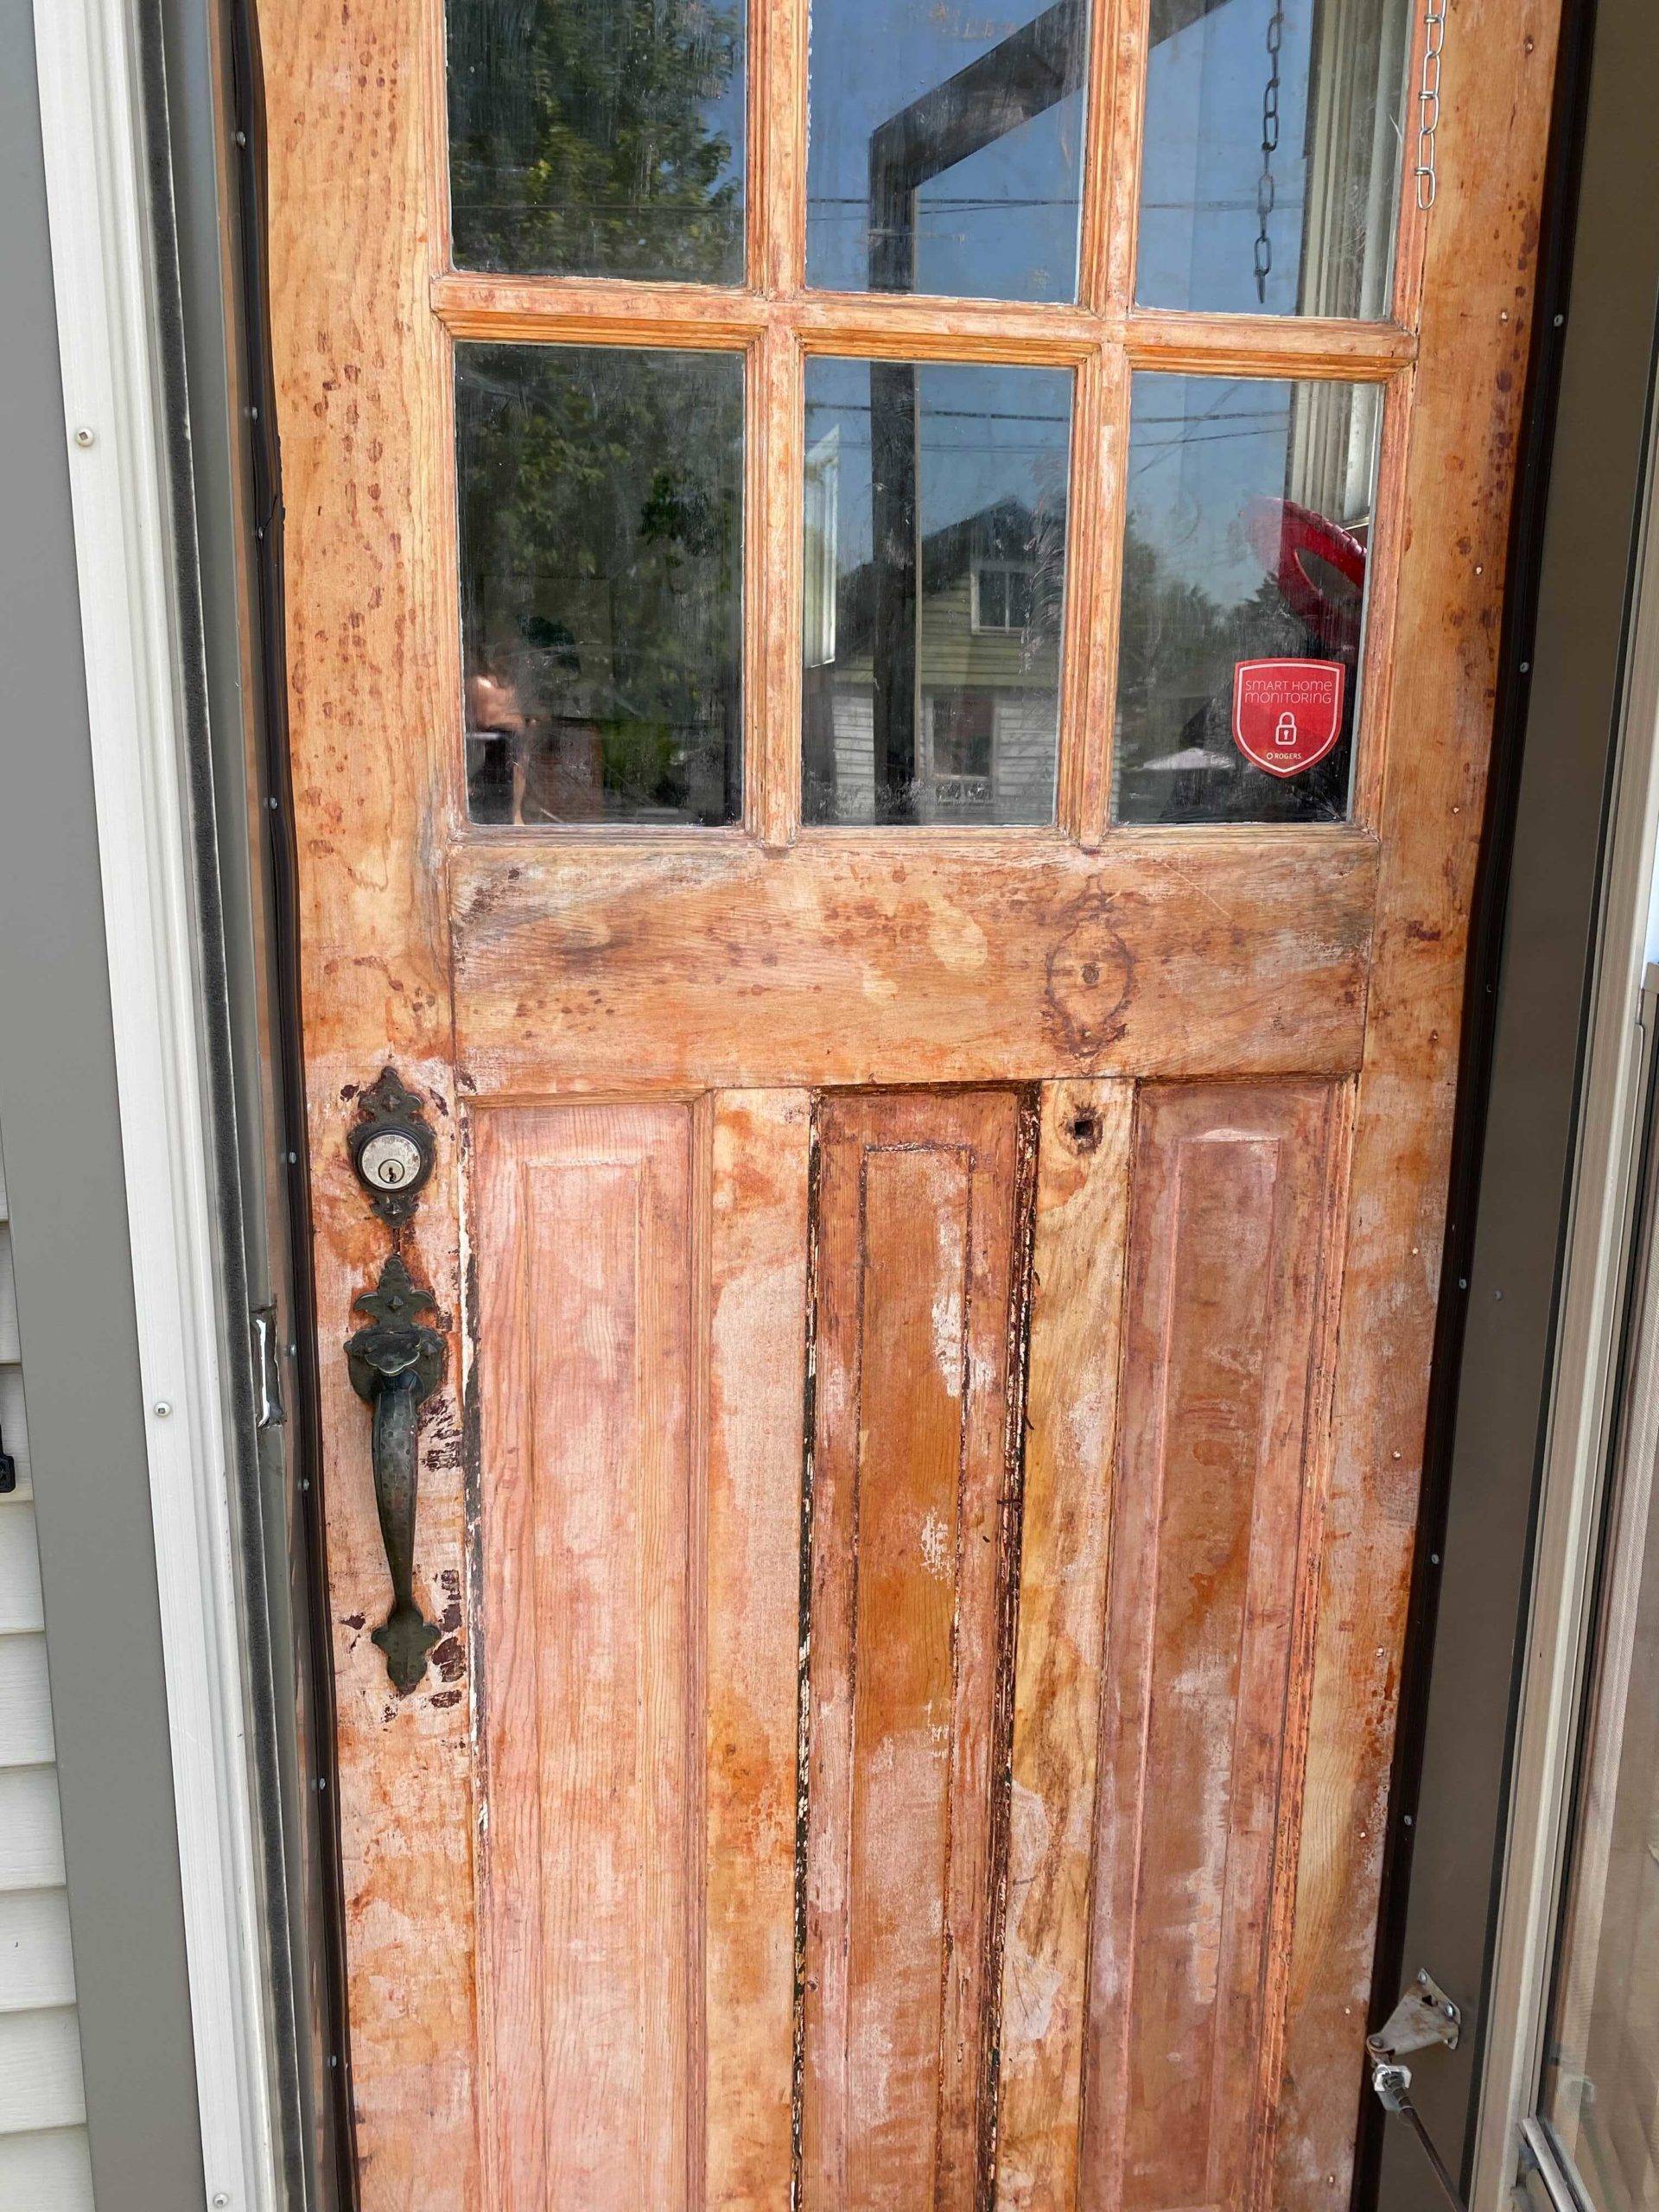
(579, 140)
(601, 528)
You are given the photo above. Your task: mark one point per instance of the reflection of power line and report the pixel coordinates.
(1164, 446)
(936, 414)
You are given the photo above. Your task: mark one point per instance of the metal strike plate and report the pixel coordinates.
(392, 1147)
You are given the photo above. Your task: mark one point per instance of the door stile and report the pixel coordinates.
(371, 630)
(1479, 298)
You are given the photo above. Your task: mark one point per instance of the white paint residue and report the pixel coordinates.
(947, 1330)
(936, 1547)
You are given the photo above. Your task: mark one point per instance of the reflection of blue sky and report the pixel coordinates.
(1002, 224)
(986, 434)
(1203, 162)
(1200, 450)
(725, 112)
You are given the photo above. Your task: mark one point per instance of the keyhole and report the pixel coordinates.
(1085, 1131)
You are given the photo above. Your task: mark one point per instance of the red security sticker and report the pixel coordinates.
(1287, 713)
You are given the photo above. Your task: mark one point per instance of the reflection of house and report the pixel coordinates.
(986, 676)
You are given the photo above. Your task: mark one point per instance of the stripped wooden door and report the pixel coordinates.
(889, 727)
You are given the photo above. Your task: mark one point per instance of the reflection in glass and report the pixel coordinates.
(598, 137)
(601, 499)
(1270, 178)
(1248, 517)
(934, 580)
(1600, 2090)
(944, 147)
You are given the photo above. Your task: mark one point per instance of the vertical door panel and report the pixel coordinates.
(585, 1383)
(914, 1495)
(1208, 1586)
(1078, 1245)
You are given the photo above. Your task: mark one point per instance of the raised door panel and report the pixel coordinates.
(914, 1501)
(1211, 1596)
(589, 1908)
(638, 1384)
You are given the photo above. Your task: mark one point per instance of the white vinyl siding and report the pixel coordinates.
(43, 2156)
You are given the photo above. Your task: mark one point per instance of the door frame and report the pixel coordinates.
(1582, 1406)
(104, 150)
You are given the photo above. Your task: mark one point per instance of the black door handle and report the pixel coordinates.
(395, 1363)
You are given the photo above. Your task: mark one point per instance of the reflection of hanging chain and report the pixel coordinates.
(1429, 104)
(1266, 190)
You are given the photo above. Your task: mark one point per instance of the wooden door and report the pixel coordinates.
(940, 1155)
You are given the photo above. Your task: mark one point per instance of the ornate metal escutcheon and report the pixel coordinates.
(392, 1147)
(395, 1363)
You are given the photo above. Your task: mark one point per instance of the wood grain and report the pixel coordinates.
(602, 311)
(589, 1894)
(1208, 1550)
(854, 960)
(677, 965)
(354, 211)
(1478, 288)
(913, 1485)
(1078, 1251)
(755, 1366)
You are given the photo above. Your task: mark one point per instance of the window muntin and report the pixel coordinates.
(919, 715)
(598, 137)
(600, 495)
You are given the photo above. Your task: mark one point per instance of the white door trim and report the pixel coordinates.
(93, 126)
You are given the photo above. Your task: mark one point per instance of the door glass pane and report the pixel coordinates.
(934, 577)
(1600, 2092)
(598, 137)
(1244, 558)
(1270, 178)
(600, 501)
(944, 147)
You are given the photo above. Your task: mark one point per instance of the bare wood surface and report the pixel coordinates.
(363, 414)
(621, 965)
(604, 311)
(776, 417)
(1183, 343)
(1221, 1332)
(1477, 294)
(590, 1607)
(849, 960)
(756, 1363)
(1078, 1252)
(918, 1276)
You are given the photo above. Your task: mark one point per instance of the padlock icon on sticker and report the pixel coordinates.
(1286, 733)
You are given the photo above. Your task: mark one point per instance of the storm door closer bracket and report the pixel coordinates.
(1424, 2018)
